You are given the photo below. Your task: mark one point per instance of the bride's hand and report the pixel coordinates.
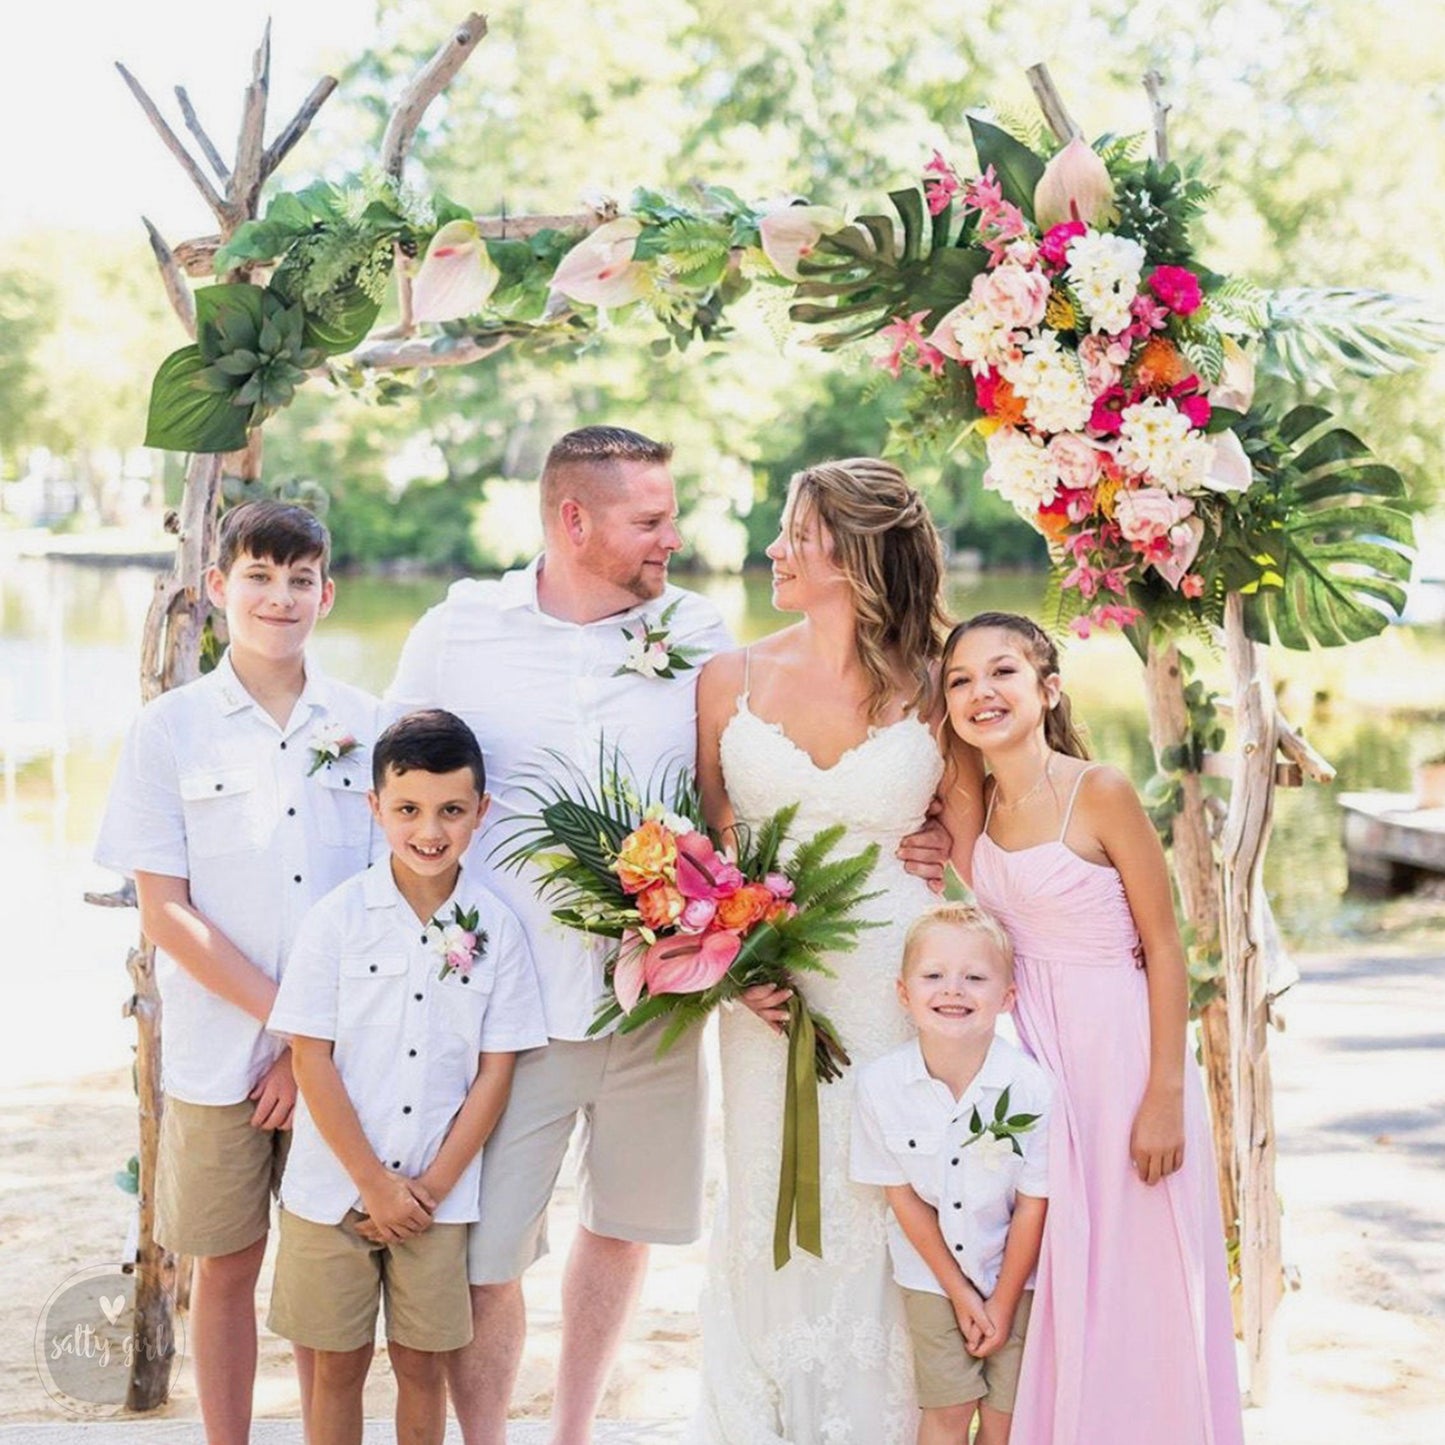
(769, 1003)
(925, 853)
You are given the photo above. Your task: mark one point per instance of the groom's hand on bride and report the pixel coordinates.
(769, 1003)
(925, 853)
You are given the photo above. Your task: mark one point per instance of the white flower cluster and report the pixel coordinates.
(1020, 469)
(1049, 380)
(1104, 273)
(980, 337)
(647, 659)
(1157, 439)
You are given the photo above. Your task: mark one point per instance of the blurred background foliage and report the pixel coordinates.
(1322, 122)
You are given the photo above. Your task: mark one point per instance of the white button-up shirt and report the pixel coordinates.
(406, 1041)
(211, 789)
(530, 686)
(909, 1129)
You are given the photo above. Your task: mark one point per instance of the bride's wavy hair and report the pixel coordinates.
(885, 543)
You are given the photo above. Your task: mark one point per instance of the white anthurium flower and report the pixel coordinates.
(599, 269)
(791, 234)
(1229, 469)
(456, 276)
(1075, 185)
(1235, 388)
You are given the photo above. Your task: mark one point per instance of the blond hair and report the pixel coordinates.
(966, 916)
(886, 545)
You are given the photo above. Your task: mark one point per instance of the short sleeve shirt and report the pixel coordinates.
(211, 789)
(538, 690)
(406, 1041)
(909, 1129)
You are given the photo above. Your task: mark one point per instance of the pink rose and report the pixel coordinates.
(1148, 514)
(697, 915)
(1077, 460)
(1177, 288)
(1054, 248)
(1103, 361)
(1012, 297)
(779, 885)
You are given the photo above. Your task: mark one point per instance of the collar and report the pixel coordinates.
(379, 890)
(994, 1074)
(518, 588)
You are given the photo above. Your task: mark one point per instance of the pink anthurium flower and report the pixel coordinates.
(689, 963)
(1230, 469)
(791, 233)
(1075, 186)
(702, 872)
(599, 269)
(627, 976)
(456, 276)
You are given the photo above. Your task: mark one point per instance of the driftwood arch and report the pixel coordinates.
(1218, 850)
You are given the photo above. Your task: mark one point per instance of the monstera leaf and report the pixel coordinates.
(1335, 557)
(876, 269)
(1315, 335)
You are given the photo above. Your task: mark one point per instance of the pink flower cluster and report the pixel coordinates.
(694, 909)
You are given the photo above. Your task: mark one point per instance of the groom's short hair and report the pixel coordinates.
(582, 459)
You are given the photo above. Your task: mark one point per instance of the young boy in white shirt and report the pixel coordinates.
(953, 1125)
(407, 996)
(239, 800)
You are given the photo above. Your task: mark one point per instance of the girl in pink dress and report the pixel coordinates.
(1131, 1340)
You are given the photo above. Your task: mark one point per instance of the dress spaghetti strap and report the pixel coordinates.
(747, 673)
(1074, 798)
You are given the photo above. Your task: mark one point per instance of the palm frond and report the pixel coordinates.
(1315, 335)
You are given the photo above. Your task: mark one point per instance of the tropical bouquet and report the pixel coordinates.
(694, 922)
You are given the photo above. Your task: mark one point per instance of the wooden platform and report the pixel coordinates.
(1391, 845)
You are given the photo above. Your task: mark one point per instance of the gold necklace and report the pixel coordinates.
(1004, 807)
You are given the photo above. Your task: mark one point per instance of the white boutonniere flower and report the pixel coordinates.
(996, 1142)
(651, 652)
(328, 743)
(456, 942)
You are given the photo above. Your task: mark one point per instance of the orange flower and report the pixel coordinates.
(1008, 405)
(1160, 365)
(742, 909)
(660, 905)
(647, 856)
(781, 911)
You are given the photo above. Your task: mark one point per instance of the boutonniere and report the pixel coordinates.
(996, 1141)
(652, 653)
(458, 942)
(329, 742)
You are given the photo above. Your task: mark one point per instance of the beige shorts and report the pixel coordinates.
(640, 1171)
(945, 1371)
(215, 1177)
(330, 1281)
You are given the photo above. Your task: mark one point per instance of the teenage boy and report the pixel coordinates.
(240, 799)
(407, 996)
(953, 1125)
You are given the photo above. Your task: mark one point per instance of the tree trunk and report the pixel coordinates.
(1198, 881)
(1246, 836)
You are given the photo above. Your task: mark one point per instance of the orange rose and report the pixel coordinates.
(781, 911)
(742, 909)
(647, 856)
(660, 905)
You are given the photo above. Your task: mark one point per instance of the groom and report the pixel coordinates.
(539, 665)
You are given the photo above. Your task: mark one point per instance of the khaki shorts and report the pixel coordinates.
(640, 1172)
(945, 1371)
(330, 1281)
(215, 1177)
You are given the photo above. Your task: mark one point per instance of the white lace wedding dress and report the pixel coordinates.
(815, 1353)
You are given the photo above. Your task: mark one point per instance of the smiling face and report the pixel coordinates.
(271, 606)
(626, 529)
(956, 981)
(993, 691)
(804, 569)
(428, 818)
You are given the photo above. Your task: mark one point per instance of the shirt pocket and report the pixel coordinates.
(917, 1150)
(222, 809)
(372, 992)
(343, 815)
(461, 1001)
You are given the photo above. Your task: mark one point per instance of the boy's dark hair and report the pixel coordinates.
(430, 741)
(279, 532)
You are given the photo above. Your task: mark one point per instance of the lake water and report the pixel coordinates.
(69, 640)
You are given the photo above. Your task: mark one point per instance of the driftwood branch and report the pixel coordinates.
(416, 352)
(175, 145)
(183, 303)
(297, 126)
(1154, 89)
(1311, 763)
(1056, 113)
(251, 143)
(207, 145)
(429, 82)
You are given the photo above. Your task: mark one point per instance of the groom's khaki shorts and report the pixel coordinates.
(641, 1142)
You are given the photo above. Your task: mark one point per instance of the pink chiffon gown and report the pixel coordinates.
(1131, 1340)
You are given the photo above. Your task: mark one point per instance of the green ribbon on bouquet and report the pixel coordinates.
(800, 1178)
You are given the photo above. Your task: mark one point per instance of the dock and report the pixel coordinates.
(1391, 843)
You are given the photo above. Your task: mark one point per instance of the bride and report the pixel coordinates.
(832, 713)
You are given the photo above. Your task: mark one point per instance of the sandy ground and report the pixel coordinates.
(1360, 1081)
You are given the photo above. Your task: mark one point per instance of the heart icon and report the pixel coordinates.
(111, 1308)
